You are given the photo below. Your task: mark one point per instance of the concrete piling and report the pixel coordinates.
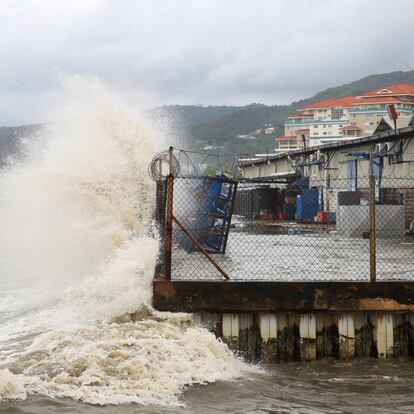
(383, 334)
(272, 337)
(401, 333)
(211, 321)
(307, 332)
(268, 325)
(346, 332)
(299, 321)
(327, 339)
(230, 330)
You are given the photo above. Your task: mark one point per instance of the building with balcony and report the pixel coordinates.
(287, 143)
(346, 118)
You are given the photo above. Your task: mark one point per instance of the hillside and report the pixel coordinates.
(362, 85)
(186, 115)
(223, 132)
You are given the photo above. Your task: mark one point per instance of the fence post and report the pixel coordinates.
(169, 219)
(326, 206)
(372, 223)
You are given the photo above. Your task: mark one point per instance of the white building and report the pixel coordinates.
(345, 118)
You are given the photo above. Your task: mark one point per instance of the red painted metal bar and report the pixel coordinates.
(200, 247)
(168, 228)
(233, 201)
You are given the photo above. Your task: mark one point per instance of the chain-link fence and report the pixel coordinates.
(349, 229)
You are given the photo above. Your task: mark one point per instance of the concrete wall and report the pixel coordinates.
(353, 221)
(367, 122)
(287, 336)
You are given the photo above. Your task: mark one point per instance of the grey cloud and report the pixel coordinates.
(198, 51)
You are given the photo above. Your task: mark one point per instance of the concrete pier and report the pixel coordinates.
(299, 321)
(273, 337)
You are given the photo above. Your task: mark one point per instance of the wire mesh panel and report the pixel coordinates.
(307, 230)
(395, 229)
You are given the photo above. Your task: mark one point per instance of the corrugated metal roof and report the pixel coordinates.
(387, 136)
(347, 101)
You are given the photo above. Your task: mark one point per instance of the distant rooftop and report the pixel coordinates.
(384, 95)
(359, 100)
(398, 89)
(346, 101)
(350, 128)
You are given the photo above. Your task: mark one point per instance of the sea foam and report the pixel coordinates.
(78, 250)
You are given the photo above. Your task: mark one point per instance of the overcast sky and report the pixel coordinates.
(197, 51)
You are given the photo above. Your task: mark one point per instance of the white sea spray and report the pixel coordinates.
(77, 257)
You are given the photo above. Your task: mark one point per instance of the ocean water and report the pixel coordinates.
(321, 387)
(77, 256)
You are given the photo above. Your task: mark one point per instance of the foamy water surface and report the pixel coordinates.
(77, 256)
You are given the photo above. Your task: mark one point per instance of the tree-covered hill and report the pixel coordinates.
(220, 126)
(185, 115)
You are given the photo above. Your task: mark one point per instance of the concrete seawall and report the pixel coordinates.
(288, 336)
(299, 321)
